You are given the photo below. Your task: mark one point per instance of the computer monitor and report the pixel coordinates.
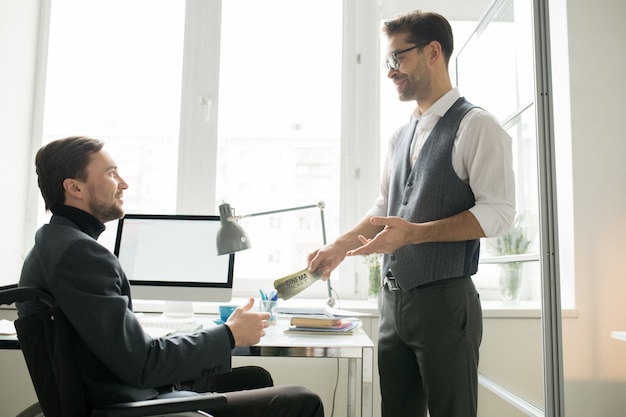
(174, 258)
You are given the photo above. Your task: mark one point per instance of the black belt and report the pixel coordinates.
(390, 282)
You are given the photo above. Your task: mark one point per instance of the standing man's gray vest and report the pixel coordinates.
(431, 190)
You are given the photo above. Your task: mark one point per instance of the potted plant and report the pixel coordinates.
(515, 242)
(374, 279)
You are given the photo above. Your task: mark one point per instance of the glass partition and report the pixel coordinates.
(495, 69)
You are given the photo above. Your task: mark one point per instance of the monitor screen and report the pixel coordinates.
(174, 257)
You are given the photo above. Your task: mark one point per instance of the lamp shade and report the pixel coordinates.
(231, 237)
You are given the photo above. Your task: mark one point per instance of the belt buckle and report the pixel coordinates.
(392, 284)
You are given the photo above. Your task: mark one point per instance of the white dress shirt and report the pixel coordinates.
(482, 157)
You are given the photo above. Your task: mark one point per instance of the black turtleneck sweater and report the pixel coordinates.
(85, 221)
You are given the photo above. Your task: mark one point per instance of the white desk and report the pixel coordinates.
(357, 348)
(619, 336)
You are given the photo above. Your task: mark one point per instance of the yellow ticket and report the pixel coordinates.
(295, 283)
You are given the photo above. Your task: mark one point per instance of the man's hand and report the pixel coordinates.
(247, 326)
(326, 260)
(330, 256)
(396, 233)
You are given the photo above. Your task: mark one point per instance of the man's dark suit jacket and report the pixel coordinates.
(118, 361)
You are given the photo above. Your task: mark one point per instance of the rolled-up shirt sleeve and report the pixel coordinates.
(484, 158)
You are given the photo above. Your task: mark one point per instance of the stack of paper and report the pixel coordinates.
(311, 326)
(320, 312)
(316, 320)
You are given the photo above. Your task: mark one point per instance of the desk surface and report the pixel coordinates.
(619, 335)
(276, 338)
(278, 343)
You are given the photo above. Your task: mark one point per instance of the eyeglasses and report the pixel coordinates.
(393, 63)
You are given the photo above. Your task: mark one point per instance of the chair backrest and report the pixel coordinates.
(45, 340)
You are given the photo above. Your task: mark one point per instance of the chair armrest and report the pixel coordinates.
(13, 294)
(146, 408)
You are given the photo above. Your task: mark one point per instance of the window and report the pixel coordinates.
(279, 129)
(196, 110)
(122, 86)
(509, 269)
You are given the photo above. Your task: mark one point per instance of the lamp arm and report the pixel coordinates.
(320, 205)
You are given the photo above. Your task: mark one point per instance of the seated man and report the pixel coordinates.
(118, 361)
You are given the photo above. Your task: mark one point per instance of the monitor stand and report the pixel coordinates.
(178, 310)
(177, 318)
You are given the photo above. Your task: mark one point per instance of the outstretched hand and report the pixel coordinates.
(246, 325)
(395, 234)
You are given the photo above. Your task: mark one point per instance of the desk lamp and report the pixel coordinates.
(232, 238)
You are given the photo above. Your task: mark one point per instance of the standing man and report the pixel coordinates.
(448, 181)
(118, 361)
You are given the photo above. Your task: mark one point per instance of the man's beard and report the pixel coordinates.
(417, 86)
(105, 213)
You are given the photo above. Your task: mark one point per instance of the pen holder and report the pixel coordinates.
(268, 306)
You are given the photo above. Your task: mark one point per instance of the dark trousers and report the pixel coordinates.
(428, 350)
(250, 392)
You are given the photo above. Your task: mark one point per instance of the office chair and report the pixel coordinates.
(45, 342)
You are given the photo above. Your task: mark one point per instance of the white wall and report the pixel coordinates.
(595, 364)
(18, 40)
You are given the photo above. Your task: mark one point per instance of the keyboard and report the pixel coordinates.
(159, 326)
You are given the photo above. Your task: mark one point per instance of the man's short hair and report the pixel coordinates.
(61, 159)
(423, 27)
